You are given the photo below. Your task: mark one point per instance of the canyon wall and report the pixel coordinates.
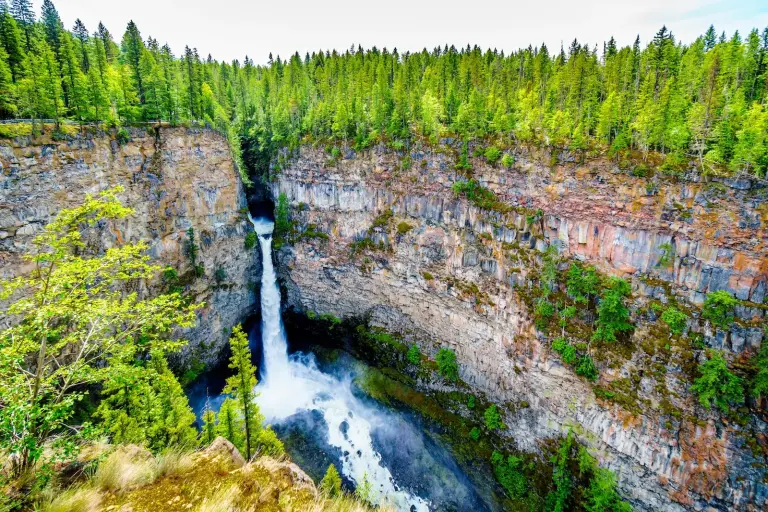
(447, 274)
(174, 179)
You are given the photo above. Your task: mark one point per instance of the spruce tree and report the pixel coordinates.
(10, 37)
(24, 14)
(52, 23)
(132, 48)
(8, 106)
(240, 387)
(208, 433)
(230, 424)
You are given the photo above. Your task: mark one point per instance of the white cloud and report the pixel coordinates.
(230, 29)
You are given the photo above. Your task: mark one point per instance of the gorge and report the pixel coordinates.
(439, 272)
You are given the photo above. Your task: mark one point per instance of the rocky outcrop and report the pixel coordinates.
(174, 179)
(446, 273)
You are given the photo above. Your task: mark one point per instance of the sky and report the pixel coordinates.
(229, 29)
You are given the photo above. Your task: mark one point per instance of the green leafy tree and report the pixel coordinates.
(582, 283)
(75, 316)
(760, 380)
(719, 308)
(447, 366)
(330, 485)
(612, 313)
(718, 384)
(508, 471)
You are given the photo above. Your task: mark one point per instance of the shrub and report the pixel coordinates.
(508, 473)
(427, 276)
(717, 384)
(718, 308)
(447, 365)
(582, 283)
(507, 160)
(250, 240)
(492, 154)
(330, 485)
(612, 313)
(675, 319)
(543, 313)
(471, 401)
(220, 275)
(414, 355)
(403, 228)
(123, 137)
(474, 433)
(587, 369)
(667, 255)
(566, 350)
(493, 418)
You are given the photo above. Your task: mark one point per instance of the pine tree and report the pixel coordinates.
(330, 485)
(240, 387)
(24, 14)
(52, 23)
(81, 35)
(8, 106)
(133, 48)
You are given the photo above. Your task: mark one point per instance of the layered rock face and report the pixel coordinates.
(448, 274)
(174, 179)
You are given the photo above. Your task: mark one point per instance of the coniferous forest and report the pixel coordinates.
(702, 100)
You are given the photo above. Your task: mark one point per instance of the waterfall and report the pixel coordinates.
(291, 385)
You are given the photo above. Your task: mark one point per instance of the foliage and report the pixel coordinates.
(240, 387)
(474, 434)
(492, 154)
(586, 368)
(718, 384)
(509, 473)
(478, 195)
(250, 240)
(331, 482)
(471, 401)
(144, 404)
(718, 308)
(78, 324)
(675, 319)
(283, 224)
(447, 365)
(612, 313)
(193, 251)
(208, 433)
(582, 283)
(414, 355)
(492, 418)
(667, 254)
(565, 349)
(230, 423)
(403, 228)
(700, 98)
(364, 490)
(507, 161)
(760, 380)
(543, 313)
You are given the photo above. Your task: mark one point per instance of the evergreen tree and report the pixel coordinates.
(24, 14)
(132, 49)
(240, 387)
(330, 485)
(8, 105)
(612, 313)
(52, 23)
(230, 424)
(10, 37)
(208, 433)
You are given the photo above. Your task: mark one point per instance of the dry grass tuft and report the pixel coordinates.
(78, 499)
(120, 473)
(223, 500)
(173, 461)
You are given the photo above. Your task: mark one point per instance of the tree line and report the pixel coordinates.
(702, 102)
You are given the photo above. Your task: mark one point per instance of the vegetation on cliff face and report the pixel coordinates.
(703, 100)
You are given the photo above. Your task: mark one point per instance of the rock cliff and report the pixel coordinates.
(405, 252)
(174, 179)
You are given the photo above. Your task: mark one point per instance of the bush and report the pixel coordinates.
(675, 319)
(427, 276)
(566, 350)
(586, 368)
(447, 365)
(492, 154)
(474, 433)
(414, 355)
(543, 313)
(612, 313)
(403, 228)
(330, 485)
(508, 473)
(123, 137)
(250, 240)
(718, 308)
(471, 401)
(507, 160)
(717, 384)
(493, 418)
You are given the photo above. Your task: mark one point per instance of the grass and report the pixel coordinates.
(76, 499)
(121, 472)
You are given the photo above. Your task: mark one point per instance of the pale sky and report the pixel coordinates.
(229, 29)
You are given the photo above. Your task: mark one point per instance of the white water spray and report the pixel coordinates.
(290, 385)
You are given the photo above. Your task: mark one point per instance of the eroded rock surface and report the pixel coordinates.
(448, 274)
(174, 179)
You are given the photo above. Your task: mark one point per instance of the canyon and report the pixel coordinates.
(444, 273)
